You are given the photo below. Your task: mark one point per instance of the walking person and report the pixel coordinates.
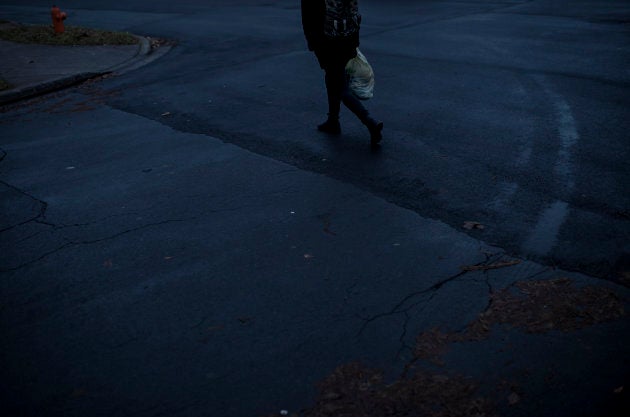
(331, 28)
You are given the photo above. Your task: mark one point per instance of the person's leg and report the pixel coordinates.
(355, 106)
(334, 87)
(338, 91)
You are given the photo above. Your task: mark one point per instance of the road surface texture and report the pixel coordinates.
(179, 240)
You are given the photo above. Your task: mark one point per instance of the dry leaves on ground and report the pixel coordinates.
(537, 307)
(354, 390)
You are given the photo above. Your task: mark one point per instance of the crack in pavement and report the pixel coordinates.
(468, 332)
(491, 289)
(71, 243)
(61, 226)
(433, 289)
(40, 218)
(42, 209)
(396, 309)
(403, 344)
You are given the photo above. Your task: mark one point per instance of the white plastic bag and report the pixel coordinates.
(360, 77)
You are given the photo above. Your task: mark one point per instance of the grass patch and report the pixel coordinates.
(73, 35)
(3, 84)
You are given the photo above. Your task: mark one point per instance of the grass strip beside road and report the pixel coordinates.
(73, 35)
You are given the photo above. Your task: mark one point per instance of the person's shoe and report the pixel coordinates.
(376, 132)
(330, 126)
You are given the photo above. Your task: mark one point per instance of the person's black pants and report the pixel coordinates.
(338, 91)
(334, 61)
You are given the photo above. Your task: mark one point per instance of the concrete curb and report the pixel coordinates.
(144, 56)
(144, 48)
(45, 87)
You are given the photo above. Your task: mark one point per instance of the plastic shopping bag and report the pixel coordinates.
(360, 76)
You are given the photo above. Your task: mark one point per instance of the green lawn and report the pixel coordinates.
(73, 35)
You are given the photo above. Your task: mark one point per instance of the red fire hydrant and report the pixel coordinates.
(58, 17)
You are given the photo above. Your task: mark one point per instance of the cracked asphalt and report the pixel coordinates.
(178, 240)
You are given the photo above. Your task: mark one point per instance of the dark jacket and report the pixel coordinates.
(313, 15)
(326, 49)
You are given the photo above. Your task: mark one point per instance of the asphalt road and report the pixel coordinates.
(512, 114)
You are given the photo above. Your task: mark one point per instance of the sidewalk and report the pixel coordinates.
(32, 69)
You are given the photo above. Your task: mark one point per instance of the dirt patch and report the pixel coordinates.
(533, 306)
(3, 84)
(536, 307)
(73, 35)
(548, 305)
(354, 390)
(432, 344)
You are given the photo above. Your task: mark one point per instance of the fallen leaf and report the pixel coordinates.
(214, 328)
(513, 398)
(495, 265)
(440, 378)
(331, 396)
(470, 225)
(79, 392)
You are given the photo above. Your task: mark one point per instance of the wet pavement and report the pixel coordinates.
(178, 239)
